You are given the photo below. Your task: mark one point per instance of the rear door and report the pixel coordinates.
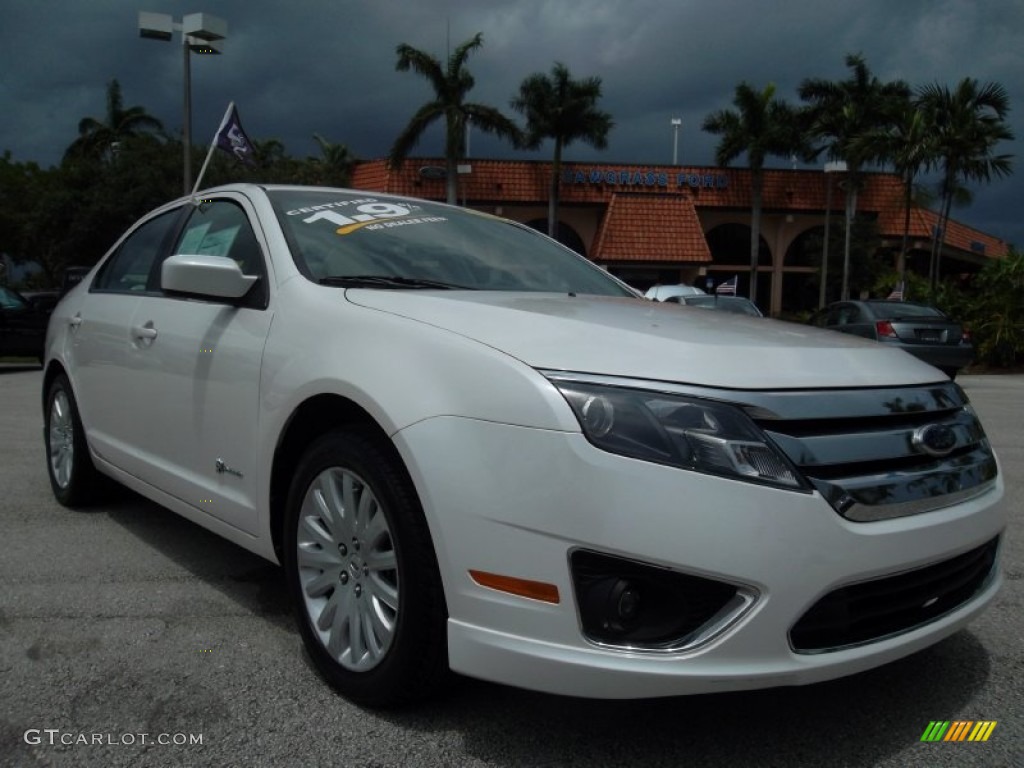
(113, 404)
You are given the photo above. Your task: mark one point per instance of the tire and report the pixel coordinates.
(73, 477)
(362, 573)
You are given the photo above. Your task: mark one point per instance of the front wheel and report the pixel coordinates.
(362, 572)
(73, 477)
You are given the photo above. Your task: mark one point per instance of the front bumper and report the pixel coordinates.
(518, 501)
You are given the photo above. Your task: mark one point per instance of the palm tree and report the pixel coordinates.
(565, 110)
(101, 137)
(450, 84)
(968, 122)
(842, 113)
(908, 144)
(336, 160)
(762, 125)
(268, 152)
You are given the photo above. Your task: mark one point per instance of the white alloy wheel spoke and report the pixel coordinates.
(321, 585)
(356, 645)
(316, 532)
(384, 591)
(320, 559)
(338, 628)
(381, 560)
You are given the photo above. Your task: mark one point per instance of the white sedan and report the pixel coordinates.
(471, 449)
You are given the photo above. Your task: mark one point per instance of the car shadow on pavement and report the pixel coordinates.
(6, 368)
(254, 583)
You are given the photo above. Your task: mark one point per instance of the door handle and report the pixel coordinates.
(75, 321)
(144, 332)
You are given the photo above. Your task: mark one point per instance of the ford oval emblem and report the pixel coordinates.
(935, 439)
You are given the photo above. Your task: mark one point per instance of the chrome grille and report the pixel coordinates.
(880, 454)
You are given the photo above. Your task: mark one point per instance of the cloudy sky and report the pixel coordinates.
(299, 67)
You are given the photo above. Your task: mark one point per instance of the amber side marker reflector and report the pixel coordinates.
(535, 590)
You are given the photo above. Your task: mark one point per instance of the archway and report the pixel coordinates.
(801, 273)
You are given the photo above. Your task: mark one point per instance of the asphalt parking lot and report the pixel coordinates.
(129, 636)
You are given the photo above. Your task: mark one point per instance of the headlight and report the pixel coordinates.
(686, 432)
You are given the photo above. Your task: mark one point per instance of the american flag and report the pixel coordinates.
(728, 288)
(897, 292)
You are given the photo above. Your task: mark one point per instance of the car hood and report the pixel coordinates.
(643, 339)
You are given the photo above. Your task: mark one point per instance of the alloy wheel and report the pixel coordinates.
(348, 569)
(61, 439)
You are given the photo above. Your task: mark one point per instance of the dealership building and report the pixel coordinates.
(672, 224)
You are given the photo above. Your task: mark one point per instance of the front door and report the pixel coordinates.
(199, 364)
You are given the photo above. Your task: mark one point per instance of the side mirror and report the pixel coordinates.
(212, 276)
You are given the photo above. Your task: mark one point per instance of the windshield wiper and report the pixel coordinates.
(388, 281)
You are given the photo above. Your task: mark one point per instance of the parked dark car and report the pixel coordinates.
(926, 332)
(42, 300)
(22, 325)
(738, 305)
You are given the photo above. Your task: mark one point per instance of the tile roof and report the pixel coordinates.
(785, 190)
(651, 227)
(924, 222)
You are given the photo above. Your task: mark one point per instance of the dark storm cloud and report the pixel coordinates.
(306, 66)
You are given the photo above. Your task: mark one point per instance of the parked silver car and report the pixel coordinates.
(738, 305)
(927, 333)
(665, 292)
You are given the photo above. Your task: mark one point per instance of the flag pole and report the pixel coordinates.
(213, 145)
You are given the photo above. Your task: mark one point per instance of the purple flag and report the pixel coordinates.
(232, 139)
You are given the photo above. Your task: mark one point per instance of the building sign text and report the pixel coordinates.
(637, 178)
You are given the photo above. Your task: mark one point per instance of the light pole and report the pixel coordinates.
(676, 123)
(837, 166)
(200, 33)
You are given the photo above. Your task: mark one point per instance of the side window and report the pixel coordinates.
(127, 270)
(11, 300)
(846, 315)
(221, 228)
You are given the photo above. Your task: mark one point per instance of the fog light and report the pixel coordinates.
(627, 601)
(629, 604)
(617, 602)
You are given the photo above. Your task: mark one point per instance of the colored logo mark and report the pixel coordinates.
(958, 730)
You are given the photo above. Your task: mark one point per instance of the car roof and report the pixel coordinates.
(662, 292)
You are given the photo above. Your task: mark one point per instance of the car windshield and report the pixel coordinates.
(373, 241)
(891, 310)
